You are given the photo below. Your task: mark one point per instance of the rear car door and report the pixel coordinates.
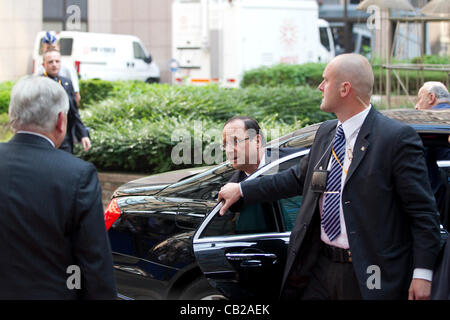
(243, 252)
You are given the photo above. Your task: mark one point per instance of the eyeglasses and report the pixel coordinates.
(234, 142)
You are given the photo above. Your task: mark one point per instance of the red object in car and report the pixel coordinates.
(112, 213)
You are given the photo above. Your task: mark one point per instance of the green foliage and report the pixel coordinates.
(411, 79)
(432, 59)
(5, 133)
(311, 74)
(285, 74)
(5, 90)
(93, 91)
(137, 127)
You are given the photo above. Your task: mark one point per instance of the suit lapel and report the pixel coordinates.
(322, 156)
(362, 143)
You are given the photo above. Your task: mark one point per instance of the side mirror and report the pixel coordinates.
(148, 59)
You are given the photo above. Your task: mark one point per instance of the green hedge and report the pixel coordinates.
(285, 74)
(132, 122)
(5, 90)
(208, 102)
(132, 129)
(311, 74)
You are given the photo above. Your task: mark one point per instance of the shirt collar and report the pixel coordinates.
(37, 134)
(352, 125)
(262, 162)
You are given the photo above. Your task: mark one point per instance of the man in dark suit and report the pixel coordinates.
(75, 127)
(245, 147)
(53, 242)
(243, 143)
(368, 225)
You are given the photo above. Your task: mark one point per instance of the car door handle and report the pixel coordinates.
(251, 256)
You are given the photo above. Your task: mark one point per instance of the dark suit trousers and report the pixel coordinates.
(332, 281)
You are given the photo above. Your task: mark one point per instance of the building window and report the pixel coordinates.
(56, 18)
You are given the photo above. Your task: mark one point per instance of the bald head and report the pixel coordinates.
(355, 69)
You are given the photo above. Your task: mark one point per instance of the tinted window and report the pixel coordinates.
(138, 51)
(66, 46)
(324, 38)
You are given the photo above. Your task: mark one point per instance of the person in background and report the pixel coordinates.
(433, 95)
(53, 240)
(75, 127)
(49, 42)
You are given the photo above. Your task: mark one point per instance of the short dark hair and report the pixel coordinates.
(49, 51)
(249, 124)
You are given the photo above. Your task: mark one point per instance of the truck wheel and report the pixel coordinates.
(200, 289)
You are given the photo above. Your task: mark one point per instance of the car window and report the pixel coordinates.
(138, 51)
(258, 218)
(323, 32)
(66, 45)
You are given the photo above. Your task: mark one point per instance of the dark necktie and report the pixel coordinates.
(330, 213)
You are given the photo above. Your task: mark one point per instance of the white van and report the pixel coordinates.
(102, 56)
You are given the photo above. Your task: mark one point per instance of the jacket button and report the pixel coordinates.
(347, 202)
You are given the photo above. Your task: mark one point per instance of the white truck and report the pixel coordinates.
(102, 56)
(218, 40)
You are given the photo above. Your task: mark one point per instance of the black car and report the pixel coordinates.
(169, 242)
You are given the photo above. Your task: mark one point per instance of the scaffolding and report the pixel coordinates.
(419, 67)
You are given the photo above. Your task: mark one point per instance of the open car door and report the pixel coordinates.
(243, 252)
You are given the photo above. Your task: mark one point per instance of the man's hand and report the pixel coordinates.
(86, 143)
(228, 194)
(420, 289)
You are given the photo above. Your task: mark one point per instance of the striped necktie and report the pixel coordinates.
(330, 214)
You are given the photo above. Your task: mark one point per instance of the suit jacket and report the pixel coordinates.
(75, 126)
(51, 217)
(389, 209)
(440, 288)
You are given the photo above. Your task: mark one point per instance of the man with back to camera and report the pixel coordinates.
(365, 203)
(51, 209)
(75, 126)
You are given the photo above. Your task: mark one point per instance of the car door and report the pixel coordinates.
(243, 252)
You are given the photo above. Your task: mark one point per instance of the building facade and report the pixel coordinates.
(150, 20)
